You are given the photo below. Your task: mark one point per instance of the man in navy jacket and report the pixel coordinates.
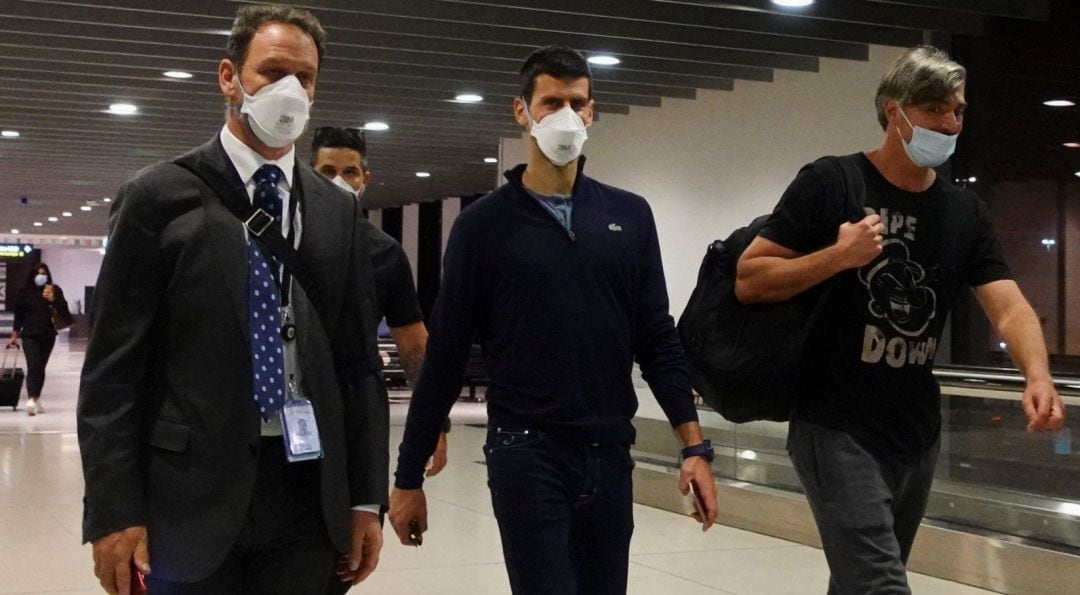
(559, 278)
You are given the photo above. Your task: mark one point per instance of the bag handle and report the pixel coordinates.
(4, 364)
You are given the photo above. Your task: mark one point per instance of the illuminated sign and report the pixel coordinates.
(15, 250)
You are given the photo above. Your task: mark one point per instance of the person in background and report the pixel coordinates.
(865, 433)
(340, 154)
(561, 279)
(35, 304)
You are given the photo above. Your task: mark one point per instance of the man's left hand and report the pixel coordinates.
(699, 470)
(367, 541)
(1043, 407)
(438, 459)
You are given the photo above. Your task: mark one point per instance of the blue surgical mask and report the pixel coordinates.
(41, 280)
(927, 148)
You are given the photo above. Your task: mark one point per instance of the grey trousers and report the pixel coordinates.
(867, 507)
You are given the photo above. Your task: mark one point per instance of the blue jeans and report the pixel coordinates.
(565, 511)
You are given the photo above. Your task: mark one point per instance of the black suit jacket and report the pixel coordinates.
(168, 429)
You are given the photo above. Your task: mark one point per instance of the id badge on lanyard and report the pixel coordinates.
(298, 423)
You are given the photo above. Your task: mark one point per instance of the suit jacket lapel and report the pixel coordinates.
(226, 232)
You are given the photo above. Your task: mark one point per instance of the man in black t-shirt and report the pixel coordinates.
(864, 434)
(341, 155)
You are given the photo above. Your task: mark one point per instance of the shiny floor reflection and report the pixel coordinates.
(40, 512)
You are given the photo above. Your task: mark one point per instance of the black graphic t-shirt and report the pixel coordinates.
(874, 347)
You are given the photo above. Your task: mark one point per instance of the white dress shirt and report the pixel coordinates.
(247, 162)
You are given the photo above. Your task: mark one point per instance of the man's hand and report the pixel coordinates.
(859, 243)
(407, 506)
(438, 458)
(14, 339)
(1043, 407)
(367, 542)
(698, 469)
(113, 555)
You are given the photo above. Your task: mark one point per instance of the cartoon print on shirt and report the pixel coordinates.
(896, 291)
(899, 294)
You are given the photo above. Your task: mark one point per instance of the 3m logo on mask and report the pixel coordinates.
(286, 120)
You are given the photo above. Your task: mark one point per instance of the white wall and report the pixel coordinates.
(73, 269)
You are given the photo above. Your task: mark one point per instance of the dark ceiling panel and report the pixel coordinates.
(64, 61)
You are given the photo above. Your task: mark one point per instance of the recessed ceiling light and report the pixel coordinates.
(490, 160)
(469, 98)
(86, 208)
(376, 126)
(423, 174)
(37, 224)
(14, 231)
(177, 74)
(793, 3)
(973, 179)
(604, 60)
(1058, 103)
(53, 219)
(106, 199)
(123, 109)
(9, 133)
(1071, 145)
(1078, 174)
(66, 213)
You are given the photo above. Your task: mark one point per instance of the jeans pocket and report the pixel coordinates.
(504, 439)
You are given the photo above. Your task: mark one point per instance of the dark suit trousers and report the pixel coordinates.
(283, 546)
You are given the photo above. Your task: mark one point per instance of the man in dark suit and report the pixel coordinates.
(179, 428)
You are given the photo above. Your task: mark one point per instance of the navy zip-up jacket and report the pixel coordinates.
(561, 316)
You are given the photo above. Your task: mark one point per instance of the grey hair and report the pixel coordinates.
(922, 74)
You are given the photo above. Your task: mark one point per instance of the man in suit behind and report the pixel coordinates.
(179, 429)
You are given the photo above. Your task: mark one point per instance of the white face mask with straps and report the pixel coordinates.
(560, 135)
(927, 148)
(277, 113)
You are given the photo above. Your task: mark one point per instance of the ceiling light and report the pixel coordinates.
(423, 174)
(37, 224)
(177, 74)
(1071, 145)
(793, 3)
(973, 179)
(9, 133)
(106, 199)
(1058, 103)
(85, 208)
(490, 160)
(53, 219)
(469, 98)
(376, 126)
(66, 213)
(14, 231)
(1078, 174)
(604, 60)
(123, 109)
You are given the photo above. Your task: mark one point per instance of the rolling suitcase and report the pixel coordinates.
(11, 379)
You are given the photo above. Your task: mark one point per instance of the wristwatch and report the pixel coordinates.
(703, 450)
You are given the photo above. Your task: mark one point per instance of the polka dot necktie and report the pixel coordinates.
(264, 318)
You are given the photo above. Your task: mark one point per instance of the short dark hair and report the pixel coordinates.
(558, 61)
(333, 137)
(252, 16)
(33, 273)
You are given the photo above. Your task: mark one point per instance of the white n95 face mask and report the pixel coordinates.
(560, 135)
(927, 148)
(277, 113)
(347, 187)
